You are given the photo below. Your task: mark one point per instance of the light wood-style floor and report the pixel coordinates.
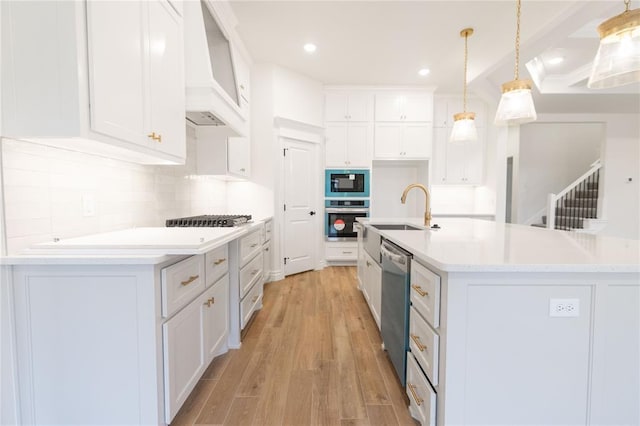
(311, 357)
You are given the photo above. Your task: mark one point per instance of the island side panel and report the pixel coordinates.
(87, 344)
(616, 360)
(506, 360)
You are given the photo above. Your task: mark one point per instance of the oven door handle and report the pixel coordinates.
(346, 210)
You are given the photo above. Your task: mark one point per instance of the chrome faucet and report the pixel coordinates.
(427, 207)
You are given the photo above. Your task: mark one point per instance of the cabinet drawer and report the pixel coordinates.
(250, 274)
(249, 246)
(251, 303)
(217, 262)
(422, 397)
(425, 293)
(181, 283)
(342, 252)
(424, 345)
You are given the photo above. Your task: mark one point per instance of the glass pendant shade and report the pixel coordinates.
(618, 59)
(516, 104)
(464, 128)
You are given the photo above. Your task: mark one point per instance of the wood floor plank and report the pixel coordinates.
(325, 404)
(194, 403)
(298, 409)
(217, 366)
(381, 415)
(374, 390)
(242, 411)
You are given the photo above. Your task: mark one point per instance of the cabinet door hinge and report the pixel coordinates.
(284, 151)
(285, 260)
(285, 207)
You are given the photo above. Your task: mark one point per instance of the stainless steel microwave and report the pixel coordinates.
(346, 183)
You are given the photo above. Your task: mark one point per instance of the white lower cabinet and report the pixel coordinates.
(341, 251)
(373, 286)
(422, 397)
(191, 339)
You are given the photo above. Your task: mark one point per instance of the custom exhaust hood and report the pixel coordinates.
(211, 87)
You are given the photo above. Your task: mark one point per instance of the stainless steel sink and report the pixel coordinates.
(397, 226)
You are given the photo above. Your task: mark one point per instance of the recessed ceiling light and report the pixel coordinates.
(310, 47)
(424, 71)
(556, 60)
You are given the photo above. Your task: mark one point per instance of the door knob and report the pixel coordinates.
(311, 213)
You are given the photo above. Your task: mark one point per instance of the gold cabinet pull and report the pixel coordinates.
(210, 302)
(253, 245)
(219, 261)
(416, 339)
(368, 263)
(416, 398)
(155, 137)
(190, 280)
(420, 291)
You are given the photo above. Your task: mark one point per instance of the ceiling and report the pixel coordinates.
(387, 42)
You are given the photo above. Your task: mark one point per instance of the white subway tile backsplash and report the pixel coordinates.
(44, 186)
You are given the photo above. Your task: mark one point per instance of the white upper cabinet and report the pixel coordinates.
(103, 77)
(404, 107)
(243, 79)
(403, 140)
(348, 106)
(348, 144)
(219, 154)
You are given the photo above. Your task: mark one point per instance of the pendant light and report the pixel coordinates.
(516, 104)
(618, 59)
(464, 125)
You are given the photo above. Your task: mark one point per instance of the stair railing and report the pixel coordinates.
(556, 202)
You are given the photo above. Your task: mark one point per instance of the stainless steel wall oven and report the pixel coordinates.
(340, 215)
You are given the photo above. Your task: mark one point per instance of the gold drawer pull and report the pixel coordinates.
(155, 137)
(253, 245)
(210, 302)
(420, 291)
(219, 261)
(416, 339)
(416, 398)
(368, 263)
(190, 280)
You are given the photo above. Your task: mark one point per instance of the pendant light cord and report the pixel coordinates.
(464, 91)
(518, 40)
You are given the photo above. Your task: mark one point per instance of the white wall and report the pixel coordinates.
(551, 157)
(44, 188)
(388, 180)
(620, 154)
(297, 97)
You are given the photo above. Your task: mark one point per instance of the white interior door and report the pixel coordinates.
(301, 214)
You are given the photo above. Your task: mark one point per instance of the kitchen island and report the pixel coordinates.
(518, 325)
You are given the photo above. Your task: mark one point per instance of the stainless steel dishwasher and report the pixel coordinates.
(394, 319)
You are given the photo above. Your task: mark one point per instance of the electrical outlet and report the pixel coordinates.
(564, 308)
(88, 205)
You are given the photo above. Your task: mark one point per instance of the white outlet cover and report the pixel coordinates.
(88, 205)
(564, 307)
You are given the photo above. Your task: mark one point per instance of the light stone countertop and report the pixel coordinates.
(131, 246)
(467, 245)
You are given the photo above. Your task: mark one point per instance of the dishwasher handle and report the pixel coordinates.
(397, 258)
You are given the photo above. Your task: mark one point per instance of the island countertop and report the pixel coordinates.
(463, 244)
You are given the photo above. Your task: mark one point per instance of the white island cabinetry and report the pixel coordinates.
(491, 337)
(97, 80)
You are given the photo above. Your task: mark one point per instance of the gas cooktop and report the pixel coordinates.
(211, 220)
